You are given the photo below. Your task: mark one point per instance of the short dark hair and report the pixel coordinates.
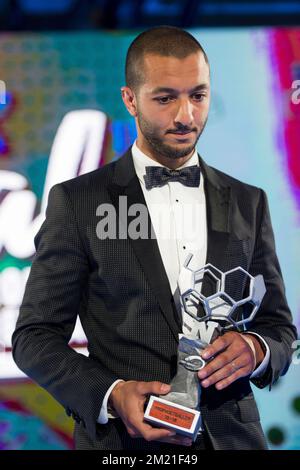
(161, 40)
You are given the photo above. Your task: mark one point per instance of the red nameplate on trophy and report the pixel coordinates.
(183, 420)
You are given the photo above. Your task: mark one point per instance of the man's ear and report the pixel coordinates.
(129, 99)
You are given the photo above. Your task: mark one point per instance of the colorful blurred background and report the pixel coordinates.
(61, 114)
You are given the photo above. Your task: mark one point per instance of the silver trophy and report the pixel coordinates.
(215, 303)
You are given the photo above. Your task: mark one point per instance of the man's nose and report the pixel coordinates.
(184, 113)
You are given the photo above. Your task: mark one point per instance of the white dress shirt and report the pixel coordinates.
(178, 216)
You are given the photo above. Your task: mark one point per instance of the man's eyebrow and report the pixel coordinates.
(203, 86)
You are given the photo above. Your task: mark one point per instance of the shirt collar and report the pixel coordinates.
(141, 160)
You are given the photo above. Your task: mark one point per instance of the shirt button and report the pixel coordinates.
(176, 200)
(184, 247)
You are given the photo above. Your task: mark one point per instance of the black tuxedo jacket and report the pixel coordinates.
(120, 290)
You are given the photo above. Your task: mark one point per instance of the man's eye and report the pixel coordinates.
(164, 99)
(199, 96)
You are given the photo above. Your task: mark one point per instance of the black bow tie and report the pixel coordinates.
(157, 176)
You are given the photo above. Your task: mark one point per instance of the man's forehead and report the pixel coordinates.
(173, 72)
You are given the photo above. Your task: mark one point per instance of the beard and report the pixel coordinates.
(156, 142)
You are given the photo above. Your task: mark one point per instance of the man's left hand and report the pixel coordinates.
(236, 355)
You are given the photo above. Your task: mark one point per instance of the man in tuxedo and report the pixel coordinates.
(124, 288)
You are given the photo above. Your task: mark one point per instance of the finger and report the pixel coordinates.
(145, 430)
(159, 388)
(216, 347)
(133, 432)
(242, 372)
(224, 372)
(235, 348)
(154, 434)
(215, 364)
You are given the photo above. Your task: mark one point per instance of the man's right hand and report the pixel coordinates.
(128, 399)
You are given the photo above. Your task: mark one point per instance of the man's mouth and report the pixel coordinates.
(180, 132)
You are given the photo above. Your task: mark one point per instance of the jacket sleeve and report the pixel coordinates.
(54, 294)
(273, 320)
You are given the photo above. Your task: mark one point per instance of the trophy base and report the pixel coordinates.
(166, 414)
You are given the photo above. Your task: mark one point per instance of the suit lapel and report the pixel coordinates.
(126, 183)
